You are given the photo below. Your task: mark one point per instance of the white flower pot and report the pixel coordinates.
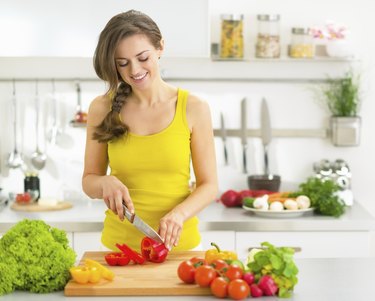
(339, 48)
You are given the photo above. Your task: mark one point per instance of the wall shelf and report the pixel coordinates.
(182, 69)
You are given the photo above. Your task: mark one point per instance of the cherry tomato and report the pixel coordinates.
(238, 289)
(219, 287)
(197, 261)
(234, 272)
(186, 271)
(204, 275)
(219, 264)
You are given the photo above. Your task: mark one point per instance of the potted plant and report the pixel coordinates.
(343, 100)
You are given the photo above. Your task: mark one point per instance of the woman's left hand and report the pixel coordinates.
(170, 228)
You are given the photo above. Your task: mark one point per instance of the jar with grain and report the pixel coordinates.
(302, 44)
(231, 43)
(268, 40)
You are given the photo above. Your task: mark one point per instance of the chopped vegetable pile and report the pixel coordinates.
(34, 257)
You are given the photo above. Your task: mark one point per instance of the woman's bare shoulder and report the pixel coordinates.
(99, 108)
(197, 109)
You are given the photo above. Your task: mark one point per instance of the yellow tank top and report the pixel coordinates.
(156, 170)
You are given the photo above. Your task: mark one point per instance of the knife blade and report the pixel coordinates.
(244, 133)
(266, 133)
(224, 137)
(141, 225)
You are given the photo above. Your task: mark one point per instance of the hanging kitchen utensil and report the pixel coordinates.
(80, 117)
(265, 133)
(266, 181)
(244, 134)
(223, 133)
(15, 158)
(38, 158)
(54, 132)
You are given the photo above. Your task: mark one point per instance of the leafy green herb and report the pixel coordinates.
(34, 257)
(279, 264)
(342, 95)
(322, 195)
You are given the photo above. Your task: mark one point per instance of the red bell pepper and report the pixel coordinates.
(117, 258)
(153, 251)
(132, 254)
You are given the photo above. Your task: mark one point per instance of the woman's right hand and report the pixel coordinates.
(115, 194)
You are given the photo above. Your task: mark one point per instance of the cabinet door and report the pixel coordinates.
(87, 241)
(224, 239)
(313, 244)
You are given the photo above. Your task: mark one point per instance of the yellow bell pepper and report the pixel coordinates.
(105, 272)
(216, 253)
(83, 274)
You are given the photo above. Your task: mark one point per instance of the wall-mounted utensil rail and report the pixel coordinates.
(278, 133)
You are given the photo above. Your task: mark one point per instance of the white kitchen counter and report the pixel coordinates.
(344, 279)
(88, 216)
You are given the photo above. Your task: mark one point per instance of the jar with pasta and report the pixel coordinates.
(302, 44)
(268, 39)
(231, 44)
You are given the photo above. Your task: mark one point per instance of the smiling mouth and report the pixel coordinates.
(139, 77)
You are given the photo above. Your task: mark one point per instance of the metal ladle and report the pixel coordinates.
(15, 158)
(38, 158)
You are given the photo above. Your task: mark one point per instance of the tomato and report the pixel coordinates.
(186, 271)
(219, 287)
(204, 275)
(219, 264)
(197, 261)
(23, 197)
(234, 272)
(238, 289)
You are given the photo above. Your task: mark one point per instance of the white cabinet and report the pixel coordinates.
(224, 239)
(313, 244)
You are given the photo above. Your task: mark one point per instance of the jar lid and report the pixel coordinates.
(300, 30)
(31, 174)
(232, 17)
(268, 17)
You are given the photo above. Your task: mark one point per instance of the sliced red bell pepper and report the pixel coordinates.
(132, 254)
(117, 258)
(153, 251)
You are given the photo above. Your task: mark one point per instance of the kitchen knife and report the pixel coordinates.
(244, 133)
(224, 137)
(266, 133)
(141, 225)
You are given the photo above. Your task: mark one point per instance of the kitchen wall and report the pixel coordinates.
(291, 104)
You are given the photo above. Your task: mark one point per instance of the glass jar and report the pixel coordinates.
(231, 45)
(302, 44)
(268, 40)
(32, 184)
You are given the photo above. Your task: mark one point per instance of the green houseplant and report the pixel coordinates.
(342, 97)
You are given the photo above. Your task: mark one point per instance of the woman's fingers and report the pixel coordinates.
(127, 200)
(119, 205)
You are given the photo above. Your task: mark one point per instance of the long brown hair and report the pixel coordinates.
(119, 27)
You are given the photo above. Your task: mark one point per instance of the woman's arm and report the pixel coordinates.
(204, 164)
(95, 181)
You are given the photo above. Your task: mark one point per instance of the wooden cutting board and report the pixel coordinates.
(35, 207)
(149, 279)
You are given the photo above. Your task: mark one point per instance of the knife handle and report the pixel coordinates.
(266, 167)
(130, 217)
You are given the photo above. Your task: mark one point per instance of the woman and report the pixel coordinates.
(146, 131)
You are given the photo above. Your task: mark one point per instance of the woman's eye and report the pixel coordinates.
(143, 59)
(122, 64)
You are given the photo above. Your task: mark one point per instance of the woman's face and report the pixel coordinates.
(137, 61)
